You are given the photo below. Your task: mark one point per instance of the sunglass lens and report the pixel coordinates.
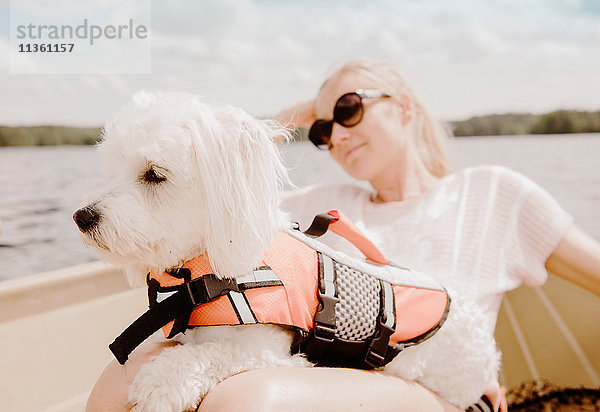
(320, 132)
(348, 110)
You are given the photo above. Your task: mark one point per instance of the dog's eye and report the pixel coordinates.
(152, 176)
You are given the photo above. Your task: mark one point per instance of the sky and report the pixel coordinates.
(462, 57)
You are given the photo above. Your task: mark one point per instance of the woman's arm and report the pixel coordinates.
(577, 259)
(299, 115)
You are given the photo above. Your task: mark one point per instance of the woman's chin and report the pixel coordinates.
(360, 170)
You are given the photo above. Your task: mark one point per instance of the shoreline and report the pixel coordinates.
(508, 124)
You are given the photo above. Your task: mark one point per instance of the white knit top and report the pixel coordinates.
(483, 230)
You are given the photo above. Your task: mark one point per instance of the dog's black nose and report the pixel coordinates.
(86, 218)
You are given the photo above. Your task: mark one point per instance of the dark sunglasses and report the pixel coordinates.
(348, 112)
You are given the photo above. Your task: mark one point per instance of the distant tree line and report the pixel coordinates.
(48, 135)
(561, 121)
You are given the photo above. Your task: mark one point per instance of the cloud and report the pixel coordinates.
(465, 57)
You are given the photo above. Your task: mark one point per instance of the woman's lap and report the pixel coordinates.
(317, 389)
(278, 389)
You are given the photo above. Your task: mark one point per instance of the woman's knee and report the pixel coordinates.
(258, 390)
(246, 391)
(110, 391)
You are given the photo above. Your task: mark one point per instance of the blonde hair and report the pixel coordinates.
(432, 134)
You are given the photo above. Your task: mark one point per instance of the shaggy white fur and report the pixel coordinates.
(186, 178)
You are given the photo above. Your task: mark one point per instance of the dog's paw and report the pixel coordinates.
(175, 380)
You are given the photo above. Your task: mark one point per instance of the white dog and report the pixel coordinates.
(186, 179)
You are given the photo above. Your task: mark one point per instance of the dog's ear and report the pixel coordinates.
(241, 176)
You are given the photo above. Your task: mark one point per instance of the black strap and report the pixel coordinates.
(380, 352)
(320, 225)
(144, 326)
(177, 306)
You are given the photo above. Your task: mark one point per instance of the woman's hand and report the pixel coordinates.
(298, 115)
(577, 259)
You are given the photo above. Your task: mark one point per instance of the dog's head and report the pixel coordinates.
(185, 178)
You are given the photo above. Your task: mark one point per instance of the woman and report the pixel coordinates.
(484, 230)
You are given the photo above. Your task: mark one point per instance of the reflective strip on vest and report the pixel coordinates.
(328, 276)
(388, 308)
(240, 304)
(259, 277)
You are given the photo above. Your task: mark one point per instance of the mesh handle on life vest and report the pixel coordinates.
(341, 225)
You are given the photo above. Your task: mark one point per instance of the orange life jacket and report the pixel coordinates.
(302, 285)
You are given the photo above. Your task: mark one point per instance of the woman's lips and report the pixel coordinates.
(352, 152)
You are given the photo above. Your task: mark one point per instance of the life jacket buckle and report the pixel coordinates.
(324, 321)
(324, 332)
(326, 312)
(378, 349)
(374, 359)
(208, 288)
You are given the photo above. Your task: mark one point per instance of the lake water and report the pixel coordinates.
(41, 187)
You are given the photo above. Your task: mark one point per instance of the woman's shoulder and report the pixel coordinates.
(493, 173)
(487, 169)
